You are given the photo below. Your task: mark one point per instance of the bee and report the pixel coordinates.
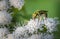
(39, 14)
(35, 14)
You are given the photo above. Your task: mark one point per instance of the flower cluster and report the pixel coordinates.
(17, 3)
(5, 18)
(32, 28)
(3, 32)
(3, 5)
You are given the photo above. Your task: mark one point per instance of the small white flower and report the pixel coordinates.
(3, 4)
(19, 32)
(3, 32)
(17, 3)
(35, 36)
(5, 18)
(48, 36)
(10, 36)
(50, 24)
(32, 25)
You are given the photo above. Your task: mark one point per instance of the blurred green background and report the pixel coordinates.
(52, 6)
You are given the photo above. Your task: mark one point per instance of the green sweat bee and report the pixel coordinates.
(39, 14)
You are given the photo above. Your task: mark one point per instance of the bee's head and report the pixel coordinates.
(43, 12)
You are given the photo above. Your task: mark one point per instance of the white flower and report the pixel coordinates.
(50, 24)
(19, 32)
(10, 36)
(17, 3)
(3, 32)
(25, 30)
(32, 25)
(3, 4)
(5, 18)
(36, 36)
(48, 36)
